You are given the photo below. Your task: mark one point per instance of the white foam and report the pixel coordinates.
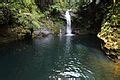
(70, 35)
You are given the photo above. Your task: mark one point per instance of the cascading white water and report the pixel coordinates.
(97, 1)
(68, 19)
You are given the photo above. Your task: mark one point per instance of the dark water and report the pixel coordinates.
(56, 58)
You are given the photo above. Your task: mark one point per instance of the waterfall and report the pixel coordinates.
(97, 1)
(68, 19)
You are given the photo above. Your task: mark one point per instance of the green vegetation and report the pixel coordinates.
(20, 18)
(90, 17)
(110, 31)
(26, 15)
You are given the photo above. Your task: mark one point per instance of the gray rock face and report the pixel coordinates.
(46, 31)
(42, 32)
(36, 32)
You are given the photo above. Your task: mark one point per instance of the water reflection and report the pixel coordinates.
(68, 45)
(67, 58)
(72, 68)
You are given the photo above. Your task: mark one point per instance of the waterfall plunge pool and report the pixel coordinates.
(56, 58)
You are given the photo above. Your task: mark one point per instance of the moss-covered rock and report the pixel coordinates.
(110, 31)
(9, 34)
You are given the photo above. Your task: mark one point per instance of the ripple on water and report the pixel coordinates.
(73, 73)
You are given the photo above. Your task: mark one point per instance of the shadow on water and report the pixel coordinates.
(55, 58)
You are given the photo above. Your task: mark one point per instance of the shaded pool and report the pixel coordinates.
(56, 58)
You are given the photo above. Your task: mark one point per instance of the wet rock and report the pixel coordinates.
(46, 31)
(119, 57)
(110, 33)
(11, 34)
(36, 32)
(41, 33)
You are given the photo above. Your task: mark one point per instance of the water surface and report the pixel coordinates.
(56, 58)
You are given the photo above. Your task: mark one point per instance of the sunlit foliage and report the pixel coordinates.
(25, 13)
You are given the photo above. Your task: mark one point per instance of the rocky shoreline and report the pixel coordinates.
(110, 34)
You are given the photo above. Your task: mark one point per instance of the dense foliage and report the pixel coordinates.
(90, 16)
(26, 15)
